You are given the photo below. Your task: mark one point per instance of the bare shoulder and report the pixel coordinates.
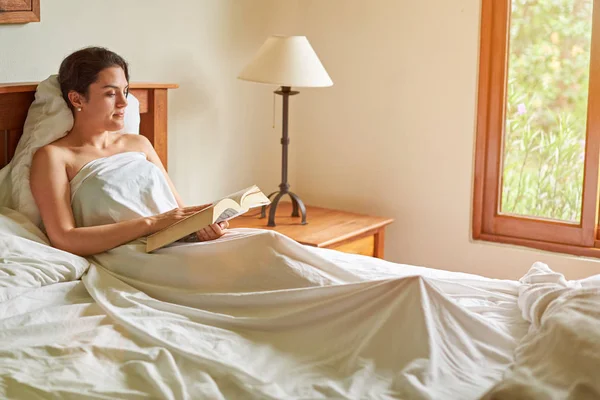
(50, 154)
(133, 142)
(49, 164)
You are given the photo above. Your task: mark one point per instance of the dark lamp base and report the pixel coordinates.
(297, 207)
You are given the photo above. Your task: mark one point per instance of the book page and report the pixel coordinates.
(248, 198)
(228, 214)
(254, 197)
(237, 196)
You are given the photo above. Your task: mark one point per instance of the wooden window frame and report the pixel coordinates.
(13, 12)
(487, 223)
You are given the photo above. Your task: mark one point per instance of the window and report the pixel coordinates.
(538, 125)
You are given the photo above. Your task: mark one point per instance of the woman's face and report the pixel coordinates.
(104, 108)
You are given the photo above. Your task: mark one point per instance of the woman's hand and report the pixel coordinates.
(212, 232)
(161, 221)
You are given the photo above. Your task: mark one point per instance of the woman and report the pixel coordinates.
(99, 193)
(95, 83)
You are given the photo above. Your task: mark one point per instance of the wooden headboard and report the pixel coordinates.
(15, 99)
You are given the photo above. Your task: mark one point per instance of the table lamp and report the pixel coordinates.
(286, 61)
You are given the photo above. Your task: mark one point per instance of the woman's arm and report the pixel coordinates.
(52, 194)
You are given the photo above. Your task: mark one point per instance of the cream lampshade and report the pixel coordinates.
(286, 61)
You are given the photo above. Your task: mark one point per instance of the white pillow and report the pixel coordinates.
(5, 192)
(49, 118)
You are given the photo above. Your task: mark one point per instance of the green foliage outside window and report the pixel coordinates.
(544, 142)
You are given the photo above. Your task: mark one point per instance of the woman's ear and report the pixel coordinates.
(76, 99)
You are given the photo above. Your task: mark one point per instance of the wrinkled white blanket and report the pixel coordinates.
(253, 315)
(560, 356)
(396, 337)
(391, 331)
(394, 331)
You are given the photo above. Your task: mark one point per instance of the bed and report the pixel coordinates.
(241, 326)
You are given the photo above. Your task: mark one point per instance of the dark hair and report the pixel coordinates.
(80, 69)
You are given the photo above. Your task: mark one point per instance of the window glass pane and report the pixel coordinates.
(546, 108)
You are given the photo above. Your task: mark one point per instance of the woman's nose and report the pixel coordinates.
(122, 101)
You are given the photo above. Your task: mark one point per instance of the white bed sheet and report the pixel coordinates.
(57, 342)
(429, 335)
(559, 358)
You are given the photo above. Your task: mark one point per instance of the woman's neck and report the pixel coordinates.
(86, 137)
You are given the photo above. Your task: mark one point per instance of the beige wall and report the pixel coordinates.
(219, 126)
(395, 134)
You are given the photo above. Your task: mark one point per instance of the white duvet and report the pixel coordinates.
(560, 356)
(255, 315)
(393, 332)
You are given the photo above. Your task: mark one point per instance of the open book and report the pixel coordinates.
(221, 210)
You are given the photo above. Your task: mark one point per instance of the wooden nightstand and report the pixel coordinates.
(332, 229)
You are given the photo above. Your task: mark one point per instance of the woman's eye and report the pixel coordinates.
(111, 94)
